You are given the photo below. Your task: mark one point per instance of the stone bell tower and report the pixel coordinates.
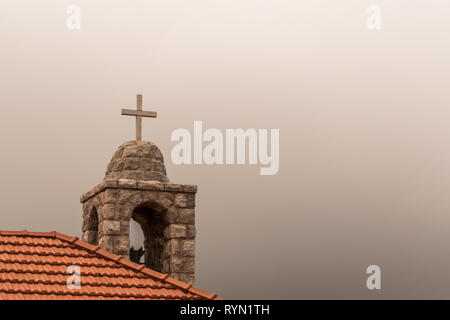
(136, 187)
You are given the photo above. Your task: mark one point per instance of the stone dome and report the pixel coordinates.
(137, 160)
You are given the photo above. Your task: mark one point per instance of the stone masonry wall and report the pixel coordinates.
(114, 201)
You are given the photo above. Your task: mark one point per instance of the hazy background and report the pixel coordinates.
(364, 132)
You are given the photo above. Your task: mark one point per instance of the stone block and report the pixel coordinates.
(176, 264)
(155, 153)
(150, 185)
(186, 215)
(173, 231)
(111, 196)
(144, 150)
(106, 243)
(168, 195)
(179, 248)
(121, 245)
(182, 264)
(164, 203)
(190, 200)
(110, 183)
(125, 227)
(109, 228)
(116, 212)
(187, 248)
(87, 207)
(166, 266)
(146, 196)
(171, 248)
(174, 187)
(117, 196)
(185, 200)
(118, 166)
(131, 164)
(190, 231)
(127, 183)
(185, 277)
(145, 164)
(130, 151)
(190, 188)
(133, 174)
(158, 166)
(154, 176)
(109, 212)
(181, 200)
(171, 216)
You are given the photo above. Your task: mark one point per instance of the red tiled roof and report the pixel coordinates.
(33, 265)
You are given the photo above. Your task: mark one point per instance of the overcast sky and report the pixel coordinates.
(364, 132)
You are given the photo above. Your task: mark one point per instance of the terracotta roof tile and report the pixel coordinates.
(178, 283)
(33, 266)
(202, 293)
(65, 238)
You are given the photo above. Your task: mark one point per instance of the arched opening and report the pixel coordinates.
(152, 225)
(92, 227)
(136, 242)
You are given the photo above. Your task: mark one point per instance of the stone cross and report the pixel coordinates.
(138, 113)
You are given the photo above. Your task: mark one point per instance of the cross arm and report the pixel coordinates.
(128, 112)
